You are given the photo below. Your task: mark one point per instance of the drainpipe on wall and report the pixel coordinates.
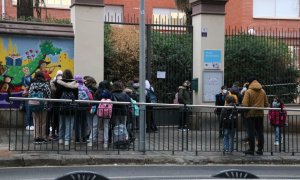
(3, 9)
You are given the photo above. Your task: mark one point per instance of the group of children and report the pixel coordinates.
(228, 116)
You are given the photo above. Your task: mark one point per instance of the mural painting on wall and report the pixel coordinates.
(21, 57)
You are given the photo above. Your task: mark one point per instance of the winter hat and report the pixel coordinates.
(59, 72)
(250, 79)
(78, 78)
(105, 94)
(235, 90)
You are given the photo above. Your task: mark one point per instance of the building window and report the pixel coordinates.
(64, 4)
(168, 16)
(113, 13)
(276, 9)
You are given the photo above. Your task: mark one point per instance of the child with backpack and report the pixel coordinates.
(229, 123)
(81, 116)
(277, 119)
(104, 112)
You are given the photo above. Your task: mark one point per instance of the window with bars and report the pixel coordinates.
(288, 9)
(65, 4)
(168, 16)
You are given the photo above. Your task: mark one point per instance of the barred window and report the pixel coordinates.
(286, 9)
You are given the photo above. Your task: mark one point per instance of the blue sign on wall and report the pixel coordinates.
(212, 59)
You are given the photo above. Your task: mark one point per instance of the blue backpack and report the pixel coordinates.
(82, 95)
(151, 97)
(35, 105)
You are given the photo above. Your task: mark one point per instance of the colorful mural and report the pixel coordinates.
(22, 56)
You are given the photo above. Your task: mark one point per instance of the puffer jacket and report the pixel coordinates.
(255, 96)
(184, 96)
(42, 86)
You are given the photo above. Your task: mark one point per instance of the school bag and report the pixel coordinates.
(82, 95)
(229, 118)
(105, 109)
(121, 136)
(35, 105)
(151, 97)
(134, 107)
(66, 106)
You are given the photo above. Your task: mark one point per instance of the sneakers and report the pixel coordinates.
(90, 144)
(183, 129)
(105, 145)
(29, 128)
(276, 143)
(40, 141)
(259, 152)
(249, 152)
(67, 143)
(61, 141)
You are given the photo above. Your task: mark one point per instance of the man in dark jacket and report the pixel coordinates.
(184, 97)
(220, 101)
(255, 96)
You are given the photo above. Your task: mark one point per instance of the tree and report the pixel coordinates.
(185, 6)
(24, 9)
(268, 58)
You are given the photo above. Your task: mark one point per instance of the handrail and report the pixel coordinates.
(150, 104)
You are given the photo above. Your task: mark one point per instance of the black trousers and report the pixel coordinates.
(255, 128)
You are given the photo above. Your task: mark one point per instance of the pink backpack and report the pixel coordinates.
(105, 109)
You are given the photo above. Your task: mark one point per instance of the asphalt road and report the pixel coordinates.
(150, 171)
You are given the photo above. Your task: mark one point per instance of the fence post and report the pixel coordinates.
(87, 17)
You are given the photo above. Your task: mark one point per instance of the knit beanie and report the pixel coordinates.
(78, 78)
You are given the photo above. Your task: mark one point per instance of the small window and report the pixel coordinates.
(168, 16)
(276, 9)
(113, 13)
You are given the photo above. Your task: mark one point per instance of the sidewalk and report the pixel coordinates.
(44, 158)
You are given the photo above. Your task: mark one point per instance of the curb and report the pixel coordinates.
(20, 160)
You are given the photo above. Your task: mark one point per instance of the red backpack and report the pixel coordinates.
(105, 109)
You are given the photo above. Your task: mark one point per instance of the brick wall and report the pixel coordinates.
(240, 13)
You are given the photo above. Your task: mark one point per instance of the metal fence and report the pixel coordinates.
(169, 51)
(201, 134)
(270, 54)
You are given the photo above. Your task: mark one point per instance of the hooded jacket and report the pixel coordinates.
(184, 96)
(255, 96)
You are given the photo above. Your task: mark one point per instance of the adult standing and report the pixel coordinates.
(150, 98)
(255, 96)
(220, 101)
(184, 97)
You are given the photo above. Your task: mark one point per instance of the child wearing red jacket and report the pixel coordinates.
(277, 119)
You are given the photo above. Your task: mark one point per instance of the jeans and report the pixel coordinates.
(28, 120)
(228, 139)
(277, 130)
(94, 123)
(105, 130)
(66, 123)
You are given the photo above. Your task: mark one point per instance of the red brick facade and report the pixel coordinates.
(239, 13)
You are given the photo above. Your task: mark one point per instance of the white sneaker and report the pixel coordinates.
(60, 141)
(90, 144)
(31, 128)
(67, 143)
(276, 143)
(27, 128)
(105, 145)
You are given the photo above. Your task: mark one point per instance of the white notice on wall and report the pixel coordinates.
(161, 75)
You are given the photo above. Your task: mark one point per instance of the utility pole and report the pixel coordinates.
(142, 77)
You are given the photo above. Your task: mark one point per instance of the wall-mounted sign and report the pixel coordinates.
(204, 32)
(161, 75)
(212, 82)
(212, 59)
